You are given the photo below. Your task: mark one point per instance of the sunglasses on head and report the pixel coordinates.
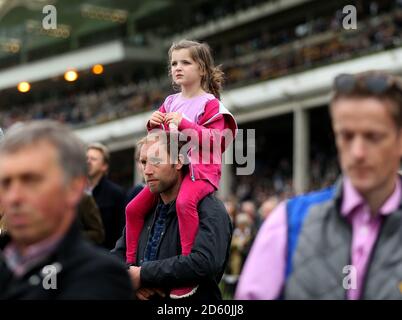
(375, 83)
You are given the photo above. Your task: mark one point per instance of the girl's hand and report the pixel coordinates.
(173, 118)
(157, 118)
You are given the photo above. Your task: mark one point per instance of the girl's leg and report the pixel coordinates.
(190, 194)
(136, 211)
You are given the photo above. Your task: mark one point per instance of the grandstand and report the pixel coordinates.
(279, 57)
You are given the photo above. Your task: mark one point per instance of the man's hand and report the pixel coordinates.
(173, 118)
(147, 293)
(134, 273)
(157, 118)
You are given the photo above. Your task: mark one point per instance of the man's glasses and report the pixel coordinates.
(374, 83)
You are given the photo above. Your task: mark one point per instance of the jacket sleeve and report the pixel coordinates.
(212, 129)
(103, 279)
(263, 274)
(119, 250)
(207, 258)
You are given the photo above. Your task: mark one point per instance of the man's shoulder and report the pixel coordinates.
(311, 198)
(211, 203)
(94, 274)
(101, 257)
(91, 260)
(308, 206)
(112, 187)
(77, 252)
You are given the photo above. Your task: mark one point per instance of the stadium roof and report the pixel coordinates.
(91, 22)
(90, 31)
(79, 23)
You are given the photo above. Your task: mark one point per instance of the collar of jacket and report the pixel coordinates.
(339, 189)
(171, 205)
(63, 248)
(99, 185)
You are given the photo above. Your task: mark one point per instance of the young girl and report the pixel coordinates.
(196, 107)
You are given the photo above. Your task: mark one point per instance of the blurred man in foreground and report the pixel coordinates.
(343, 242)
(44, 255)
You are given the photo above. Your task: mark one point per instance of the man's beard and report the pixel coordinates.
(165, 186)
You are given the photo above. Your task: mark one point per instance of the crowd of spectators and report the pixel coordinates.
(86, 109)
(268, 55)
(311, 45)
(201, 13)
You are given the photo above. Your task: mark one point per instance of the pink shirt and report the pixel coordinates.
(190, 108)
(263, 275)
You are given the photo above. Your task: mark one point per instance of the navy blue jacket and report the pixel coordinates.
(85, 272)
(111, 201)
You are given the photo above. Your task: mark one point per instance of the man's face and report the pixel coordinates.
(96, 164)
(36, 199)
(160, 175)
(368, 142)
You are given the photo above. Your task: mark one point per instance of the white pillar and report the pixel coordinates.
(301, 150)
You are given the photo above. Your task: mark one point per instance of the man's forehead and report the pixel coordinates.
(40, 148)
(32, 157)
(94, 152)
(362, 108)
(153, 149)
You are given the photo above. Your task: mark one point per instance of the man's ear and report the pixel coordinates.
(105, 168)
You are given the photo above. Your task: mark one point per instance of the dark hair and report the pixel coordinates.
(212, 80)
(371, 84)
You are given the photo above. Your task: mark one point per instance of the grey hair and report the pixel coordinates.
(70, 149)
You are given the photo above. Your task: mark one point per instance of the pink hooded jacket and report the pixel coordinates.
(217, 127)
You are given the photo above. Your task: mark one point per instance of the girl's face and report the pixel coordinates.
(185, 71)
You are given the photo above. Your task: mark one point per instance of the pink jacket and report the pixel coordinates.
(211, 125)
